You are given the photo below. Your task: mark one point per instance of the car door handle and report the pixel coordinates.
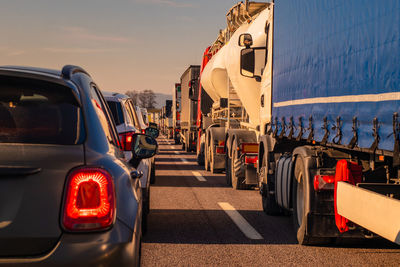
(136, 174)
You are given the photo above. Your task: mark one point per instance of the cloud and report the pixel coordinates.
(79, 33)
(166, 3)
(76, 50)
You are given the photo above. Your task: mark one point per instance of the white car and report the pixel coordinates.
(128, 122)
(145, 116)
(143, 121)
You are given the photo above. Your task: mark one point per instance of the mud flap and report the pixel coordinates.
(251, 175)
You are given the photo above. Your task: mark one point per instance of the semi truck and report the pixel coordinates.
(166, 117)
(189, 82)
(312, 100)
(176, 112)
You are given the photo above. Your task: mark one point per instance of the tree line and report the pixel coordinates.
(145, 98)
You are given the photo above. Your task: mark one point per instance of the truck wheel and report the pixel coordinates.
(206, 163)
(200, 156)
(183, 146)
(200, 160)
(228, 171)
(212, 158)
(301, 206)
(269, 204)
(236, 173)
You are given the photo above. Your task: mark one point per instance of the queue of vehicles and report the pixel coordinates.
(306, 110)
(76, 165)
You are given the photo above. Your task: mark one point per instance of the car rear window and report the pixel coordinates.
(116, 111)
(37, 112)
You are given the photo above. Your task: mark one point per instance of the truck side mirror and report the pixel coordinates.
(245, 40)
(247, 59)
(193, 92)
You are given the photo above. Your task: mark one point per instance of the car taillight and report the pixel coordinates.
(324, 182)
(89, 202)
(126, 140)
(143, 131)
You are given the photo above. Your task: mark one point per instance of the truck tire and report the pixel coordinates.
(212, 170)
(301, 192)
(237, 174)
(228, 171)
(270, 207)
(206, 156)
(183, 146)
(200, 159)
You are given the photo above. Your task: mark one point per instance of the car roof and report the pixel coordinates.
(41, 71)
(114, 96)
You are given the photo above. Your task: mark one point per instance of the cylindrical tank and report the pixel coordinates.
(214, 76)
(226, 63)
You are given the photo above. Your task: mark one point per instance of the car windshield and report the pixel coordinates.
(38, 112)
(116, 110)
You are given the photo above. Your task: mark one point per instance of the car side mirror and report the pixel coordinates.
(247, 58)
(153, 132)
(144, 146)
(245, 40)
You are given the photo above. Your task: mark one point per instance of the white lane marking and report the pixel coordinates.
(184, 160)
(241, 222)
(199, 177)
(176, 152)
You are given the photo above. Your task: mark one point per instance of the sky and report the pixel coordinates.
(123, 44)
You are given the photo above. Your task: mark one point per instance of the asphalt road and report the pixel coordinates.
(188, 225)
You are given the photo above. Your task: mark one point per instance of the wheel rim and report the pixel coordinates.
(300, 199)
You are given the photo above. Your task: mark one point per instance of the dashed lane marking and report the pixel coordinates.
(176, 152)
(241, 222)
(199, 177)
(184, 160)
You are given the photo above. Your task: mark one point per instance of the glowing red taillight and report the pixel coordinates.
(89, 201)
(324, 182)
(220, 150)
(126, 140)
(250, 159)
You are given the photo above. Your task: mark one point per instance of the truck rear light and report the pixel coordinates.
(143, 131)
(221, 143)
(251, 160)
(324, 182)
(249, 148)
(89, 202)
(126, 140)
(220, 150)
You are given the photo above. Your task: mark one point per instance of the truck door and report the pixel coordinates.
(266, 81)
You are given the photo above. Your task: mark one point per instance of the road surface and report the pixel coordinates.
(197, 220)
